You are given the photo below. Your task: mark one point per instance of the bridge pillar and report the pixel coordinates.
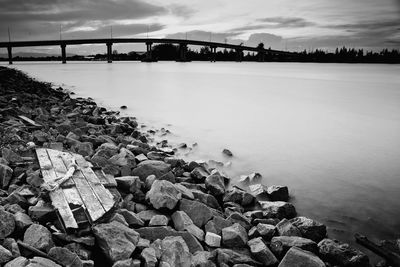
(261, 56)
(109, 53)
(63, 53)
(9, 50)
(183, 52)
(213, 53)
(149, 56)
(239, 55)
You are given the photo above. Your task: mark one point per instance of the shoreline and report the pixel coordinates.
(80, 126)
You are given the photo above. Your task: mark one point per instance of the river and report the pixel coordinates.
(331, 132)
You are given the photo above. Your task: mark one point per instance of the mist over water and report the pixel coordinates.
(330, 132)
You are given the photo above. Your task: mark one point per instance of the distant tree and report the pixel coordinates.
(260, 46)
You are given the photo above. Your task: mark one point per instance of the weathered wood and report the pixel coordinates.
(106, 179)
(59, 166)
(72, 196)
(29, 121)
(391, 257)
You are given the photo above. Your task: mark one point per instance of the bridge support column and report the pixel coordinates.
(239, 55)
(261, 56)
(63, 53)
(109, 53)
(9, 50)
(149, 56)
(213, 53)
(183, 53)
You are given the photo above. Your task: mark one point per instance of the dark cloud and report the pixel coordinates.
(287, 22)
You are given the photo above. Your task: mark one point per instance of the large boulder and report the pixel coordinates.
(341, 254)
(234, 236)
(5, 176)
(286, 228)
(207, 199)
(175, 252)
(116, 240)
(22, 221)
(216, 224)
(183, 222)
(163, 195)
(278, 209)
(38, 237)
(261, 252)
(238, 196)
(148, 167)
(124, 158)
(65, 257)
(297, 257)
(198, 212)
(266, 231)
(281, 244)
(278, 193)
(309, 228)
(215, 184)
(7, 223)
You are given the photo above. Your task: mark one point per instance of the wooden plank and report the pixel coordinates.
(29, 121)
(72, 196)
(106, 179)
(59, 166)
(57, 196)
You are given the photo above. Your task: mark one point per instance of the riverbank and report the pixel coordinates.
(158, 196)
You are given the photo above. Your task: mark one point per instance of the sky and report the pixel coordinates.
(292, 25)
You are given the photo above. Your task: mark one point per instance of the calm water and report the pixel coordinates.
(331, 132)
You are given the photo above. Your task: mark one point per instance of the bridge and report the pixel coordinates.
(183, 45)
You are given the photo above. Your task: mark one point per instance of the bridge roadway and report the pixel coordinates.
(148, 41)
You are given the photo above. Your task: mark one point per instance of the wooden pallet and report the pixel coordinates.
(83, 191)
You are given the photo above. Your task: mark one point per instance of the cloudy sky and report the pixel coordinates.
(280, 24)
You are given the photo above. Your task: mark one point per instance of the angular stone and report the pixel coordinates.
(215, 184)
(42, 262)
(7, 223)
(213, 240)
(163, 194)
(207, 199)
(22, 221)
(17, 262)
(147, 215)
(65, 257)
(149, 257)
(83, 148)
(281, 244)
(286, 228)
(131, 218)
(199, 173)
(278, 193)
(175, 252)
(278, 209)
(38, 237)
(5, 255)
(266, 231)
(261, 252)
(309, 228)
(12, 246)
(258, 190)
(186, 193)
(297, 257)
(341, 254)
(231, 257)
(5, 176)
(238, 196)
(116, 240)
(159, 220)
(234, 236)
(216, 224)
(148, 167)
(198, 212)
(183, 222)
(106, 150)
(236, 217)
(124, 183)
(202, 259)
(119, 218)
(124, 263)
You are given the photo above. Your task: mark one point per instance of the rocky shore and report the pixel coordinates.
(168, 213)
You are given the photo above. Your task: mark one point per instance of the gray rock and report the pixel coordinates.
(83, 148)
(7, 223)
(199, 173)
(309, 228)
(183, 222)
(146, 215)
(281, 244)
(5, 176)
(215, 184)
(234, 236)
(124, 158)
(297, 257)
(341, 254)
(5, 255)
(286, 228)
(22, 221)
(227, 152)
(149, 257)
(278, 193)
(116, 240)
(231, 257)
(198, 212)
(216, 224)
(207, 199)
(124, 183)
(131, 218)
(163, 195)
(278, 209)
(119, 218)
(238, 196)
(106, 150)
(175, 252)
(65, 257)
(12, 246)
(148, 167)
(17, 262)
(261, 252)
(186, 193)
(202, 259)
(159, 220)
(266, 231)
(258, 190)
(42, 262)
(124, 263)
(38, 237)
(213, 240)
(236, 217)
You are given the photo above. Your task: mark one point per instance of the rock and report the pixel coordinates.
(124, 158)
(65, 257)
(213, 240)
(266, 231)
(183, 222)
(186, 193)
(250, 178)
(199, 173)
(261, 252)
(215, 184)
(175, 252)
(42, 262)
(234, 236)
(207, 199)
(83, 148)
(258, 190)
(238, 196)
(231, 257)
(123, 107)
(149, 257)
(148, 167)
(163, 195)
(82, 252)
(7, 223)
(5, 176)
(5, 255)
(38, 237)
(106, 150)
(281, 244)
(12, 246)
(131, 218)
(143, 243)
(286, 228)
(160, 232)
(297, 257)
(198, 212)
(216, 224)
(10, 155)
(124, 183)
(141, 157)
(147, 215)
(116, 240)
(236, 217)
(278, 209)
(278, 193)
(22, 221)
(341, 254)
(309, 228)
(227, 152)
(202, 259)
(154, 155)
(17, 262)
(159, 220)
(149, 181)
(124, 263)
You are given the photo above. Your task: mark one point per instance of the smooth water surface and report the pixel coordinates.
(331, 132)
